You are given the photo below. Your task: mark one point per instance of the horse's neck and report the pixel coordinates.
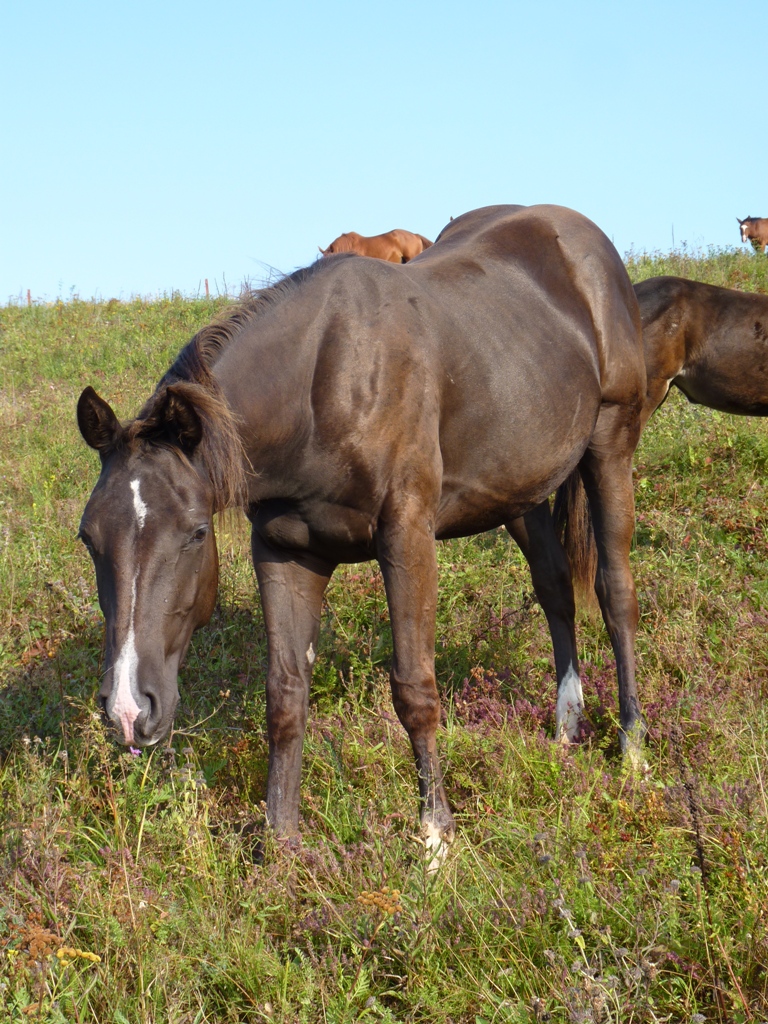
(265, 375)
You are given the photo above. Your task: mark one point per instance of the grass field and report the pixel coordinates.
(129, 890)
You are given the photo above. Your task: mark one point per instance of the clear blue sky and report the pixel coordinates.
(149, 145)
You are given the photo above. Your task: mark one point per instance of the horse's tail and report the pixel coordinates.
(573, 524)
(425, 241)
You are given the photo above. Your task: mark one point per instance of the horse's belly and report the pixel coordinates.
(746, 396)
(728, 367)
(469, 506)
(475, 502)
(510, 468)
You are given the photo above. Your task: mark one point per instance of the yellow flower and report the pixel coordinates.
(386, 900)
(67, 954)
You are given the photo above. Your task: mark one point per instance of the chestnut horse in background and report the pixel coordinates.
(395, 246)
(359, 410)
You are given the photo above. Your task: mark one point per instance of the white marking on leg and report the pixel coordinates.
(125, 676)
(139, 506)
(570, 705)
(311, 655)
(436, 845)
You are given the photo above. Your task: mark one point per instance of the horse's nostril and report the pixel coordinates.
(153, 707)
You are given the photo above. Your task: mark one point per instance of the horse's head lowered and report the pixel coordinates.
(344, 243)
(148, 527)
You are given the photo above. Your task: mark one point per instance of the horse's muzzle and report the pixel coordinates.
(142, 722)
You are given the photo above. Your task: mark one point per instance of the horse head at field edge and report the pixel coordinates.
(754, 230)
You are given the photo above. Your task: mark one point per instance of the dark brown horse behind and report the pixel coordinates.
(395, 246)
(710, 342)
(362, 410)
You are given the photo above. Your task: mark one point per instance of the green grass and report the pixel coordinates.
(729, 268)
(574, 891)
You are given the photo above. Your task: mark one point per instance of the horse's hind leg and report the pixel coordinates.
(606, 469)
(551, 575)
(291, 596)
(406, 553)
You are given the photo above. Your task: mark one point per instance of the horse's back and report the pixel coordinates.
(549, 260)
(506, 294)
(656, 295)
(544, 329)
(482, 365)
(407, 243)
(670, 305)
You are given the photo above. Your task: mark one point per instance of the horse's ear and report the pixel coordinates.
(182, 417)
(97, 422)
(174, 420)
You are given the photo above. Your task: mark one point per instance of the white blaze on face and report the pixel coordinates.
(139, 506)
(125, 673)
(570, 704)
(125, 677)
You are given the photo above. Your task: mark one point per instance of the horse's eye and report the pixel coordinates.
(199, 535)
(83, 536)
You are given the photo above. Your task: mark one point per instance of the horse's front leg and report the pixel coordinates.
(291, 595)
(551, 575)
(406, 552)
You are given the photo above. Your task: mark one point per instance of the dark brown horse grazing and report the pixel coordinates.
(710, 342)
(395, 246)
(754, 230)
(360, 410)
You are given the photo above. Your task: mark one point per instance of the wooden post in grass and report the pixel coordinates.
(207, 294)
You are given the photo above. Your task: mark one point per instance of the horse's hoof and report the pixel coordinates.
(632, 743)
(569, 713)
(636, 765)
(565, 737)
(436, 842)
